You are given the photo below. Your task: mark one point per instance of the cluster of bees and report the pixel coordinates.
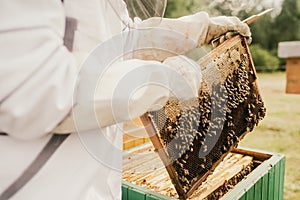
(198, 133)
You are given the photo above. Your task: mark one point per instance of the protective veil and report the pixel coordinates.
(144, 9)
(39, 77)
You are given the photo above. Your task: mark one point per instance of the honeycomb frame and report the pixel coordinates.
(192, 137)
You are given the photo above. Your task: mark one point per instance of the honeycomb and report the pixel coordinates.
(193, 136)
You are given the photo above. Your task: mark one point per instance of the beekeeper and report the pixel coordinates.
(43, 43)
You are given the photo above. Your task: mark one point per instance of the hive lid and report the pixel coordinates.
(193, 136)
(289, 49)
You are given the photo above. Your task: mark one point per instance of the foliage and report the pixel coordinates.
(178, 8)
(263, 59)
(285, 27)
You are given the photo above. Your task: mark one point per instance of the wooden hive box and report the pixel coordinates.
(291, 51)
(134, 134)
(144, 177)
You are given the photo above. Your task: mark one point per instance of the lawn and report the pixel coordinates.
(280, 129)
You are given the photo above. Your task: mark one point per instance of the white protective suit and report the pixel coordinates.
(38, 76)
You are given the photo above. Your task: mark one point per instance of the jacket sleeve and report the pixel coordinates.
(37, 72)
(128, 89)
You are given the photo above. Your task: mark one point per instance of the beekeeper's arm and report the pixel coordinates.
(37, 72)
(130, 88)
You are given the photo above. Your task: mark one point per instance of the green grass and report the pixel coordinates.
(280, 129)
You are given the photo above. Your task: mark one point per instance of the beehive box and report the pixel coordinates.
(144, 177)
(291, 51)
(293, 75)
(134, 134)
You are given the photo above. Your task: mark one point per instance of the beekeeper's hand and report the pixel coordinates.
(222, 28)
(189, 32)
(130, 88)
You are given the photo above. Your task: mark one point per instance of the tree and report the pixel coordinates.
(268, 31)
(263, 32)
(286, 25)
(178, 8)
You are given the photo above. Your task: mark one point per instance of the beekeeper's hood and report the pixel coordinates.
(144, 9)
(138, 9)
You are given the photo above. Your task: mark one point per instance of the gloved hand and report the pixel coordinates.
(156, 82)
(197, 29)
(222, 28)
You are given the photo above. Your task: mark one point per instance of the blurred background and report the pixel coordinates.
(281, 25)
(280, 130)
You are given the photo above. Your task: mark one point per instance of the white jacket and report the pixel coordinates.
(38, 76)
